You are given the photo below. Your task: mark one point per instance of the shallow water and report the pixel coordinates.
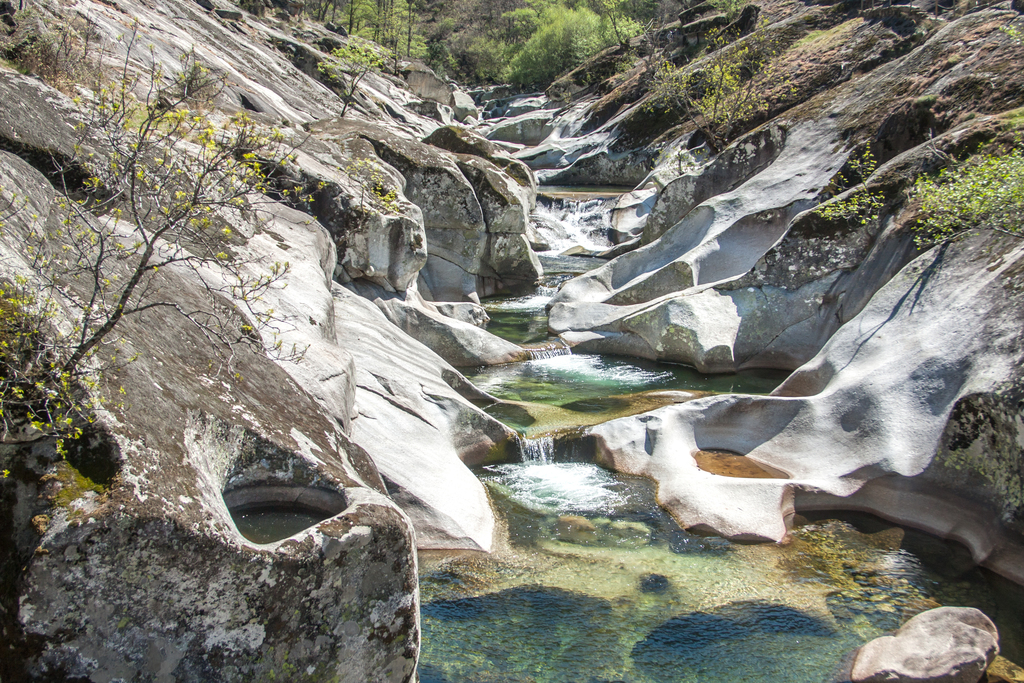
(593, 582)
(272, 524)
(597, 583)
(575, 381)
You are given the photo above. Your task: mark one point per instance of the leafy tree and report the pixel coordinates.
(62, 57)
(985, 192)
(614, 12)
(565, 39)
(350, 64)
(724, 89)
(162, 190)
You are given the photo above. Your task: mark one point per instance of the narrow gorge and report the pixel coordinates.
(452, 383)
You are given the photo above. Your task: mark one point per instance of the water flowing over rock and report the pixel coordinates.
(731, 275)
(872, 411)
(127, 560)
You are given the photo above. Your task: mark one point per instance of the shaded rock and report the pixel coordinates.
(463, 106)
(229, 14)
(737, 164)
(462, 141)
(466, 311)
(575, 529)
(424, 83)
(382, 243)
(505, 203)
(530, 128)
(944, 645)
(654, 583)
(695, 12)
(745, 22)
(1002, 670)
(435, 110)
(460, 343)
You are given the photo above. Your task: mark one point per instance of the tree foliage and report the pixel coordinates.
(350, 64)
(984, 192)
(566, 37)
(163, 188)
(862, 204)
(723, 89)
(62, 55)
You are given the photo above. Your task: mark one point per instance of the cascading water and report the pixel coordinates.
(549, 350)
(539, 450)
(595, 582)
(566, 222)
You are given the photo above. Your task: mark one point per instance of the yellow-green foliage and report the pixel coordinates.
(828, 38)
(862, 205)
(62, 54)
(565, 39)
(166, 190)
(724, 88)
(349, 64)
(74, 485)
(375, 191)
(984, 192)
(36, 391)
(1014, 119)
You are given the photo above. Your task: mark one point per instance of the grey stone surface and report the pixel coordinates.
(877, 399)
(943, 645)
(151, 577)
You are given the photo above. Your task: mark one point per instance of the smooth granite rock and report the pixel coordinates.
(943, 645)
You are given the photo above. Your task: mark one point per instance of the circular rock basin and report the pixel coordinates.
(267, 514)
(729, 464)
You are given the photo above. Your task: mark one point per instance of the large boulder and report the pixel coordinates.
(125, 558)
(381, 241)
(942, 335)
(424, 83)
(753, 280)
(417, 423)
(725, 172)
(464, 259)
(530, 128)
(463, 106)
(462, 141)
(943, 645)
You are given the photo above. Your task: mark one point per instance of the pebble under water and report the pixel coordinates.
(595, 583)
(592, 582)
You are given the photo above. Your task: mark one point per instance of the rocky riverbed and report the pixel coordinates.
(121, 561)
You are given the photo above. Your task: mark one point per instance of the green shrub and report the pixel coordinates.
(984, 192)
(566, 38)
(485, 59)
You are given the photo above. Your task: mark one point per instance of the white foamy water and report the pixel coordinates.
(560, 487)
(533, 302)
(579, 222)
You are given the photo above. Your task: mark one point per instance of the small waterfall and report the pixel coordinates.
(566, 222)
(551, 349)
(540, 450)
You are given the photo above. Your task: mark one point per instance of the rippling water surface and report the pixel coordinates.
(594, 582)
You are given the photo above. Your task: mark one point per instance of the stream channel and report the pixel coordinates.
(592, 581)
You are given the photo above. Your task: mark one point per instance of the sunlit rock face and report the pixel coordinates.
(876, 401)
(948, 644)
(140, 569)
